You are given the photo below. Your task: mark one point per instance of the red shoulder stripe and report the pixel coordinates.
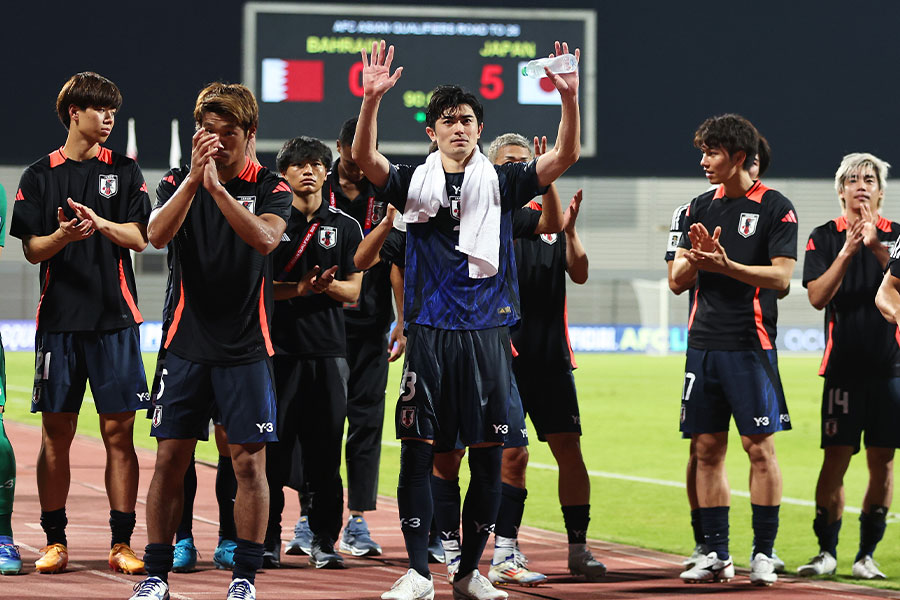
(789, 217)
(57, 157)
(535, 205)
(144, 187)
(282, 187)
(105, 155)
(810, 245)
(169, 179)
(20, 195)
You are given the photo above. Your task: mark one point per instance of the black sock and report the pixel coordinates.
(122, 526)
(185, 527)
(158, 560)
(54, 523)
(871, 530)
(414, 501)
(715, 530)
(248, 559)
(576, 519)
(826, 532)
(696, 527)
(446, 508)
(512, 505)
(226, 488)
(765, 528)
(481, 505)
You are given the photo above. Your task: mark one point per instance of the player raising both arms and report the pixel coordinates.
(460, 298)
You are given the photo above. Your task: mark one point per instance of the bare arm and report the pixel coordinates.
(551, 220)
(576, 257)
(367, 253)
(675, 286)
(346, 290)
(397, 341)
(127, 235)
(38, 248)
(823, 288)
(568, 140)
(888, 298)
(377, 80)
(682, 274)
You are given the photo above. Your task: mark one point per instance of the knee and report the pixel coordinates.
(566, 448)
(515, 462)
(250, 465)
(762, 456)
(446, 464)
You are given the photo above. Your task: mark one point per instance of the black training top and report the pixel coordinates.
(757, 227)
(313, 325)
(89, 284)
(373, 311)
(857, 338)
(221, 286)
(542, 336)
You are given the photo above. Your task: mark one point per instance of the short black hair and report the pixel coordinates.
(87, 90)
(348, 130)
(732, 132)
(447, 98)
(300, 149)
(765, 155)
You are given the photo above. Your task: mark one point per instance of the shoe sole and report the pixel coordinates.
(348, 549)
(51, 570)
(297, 550)
(519, 583)
(10, 571)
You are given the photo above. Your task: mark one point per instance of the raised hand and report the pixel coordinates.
(571, 213)
(869, 219)
(376, 74)
(540, 146)
(323, 280)
(700, 238)
(203, 146)
(707, 254)
(855, 236)
(566, 83)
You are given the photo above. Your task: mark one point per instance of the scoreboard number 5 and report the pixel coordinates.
(491, 83)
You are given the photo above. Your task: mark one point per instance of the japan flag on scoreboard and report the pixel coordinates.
(536, 91)
(293, 80)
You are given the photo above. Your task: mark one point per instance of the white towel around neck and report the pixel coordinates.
(479, 208)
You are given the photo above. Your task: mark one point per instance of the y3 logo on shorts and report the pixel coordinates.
(10, 484)
(504, 429)
(265, 427)
(576, 420)
(143, 396)
(761, 421)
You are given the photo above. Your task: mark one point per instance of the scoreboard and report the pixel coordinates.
(303, 63)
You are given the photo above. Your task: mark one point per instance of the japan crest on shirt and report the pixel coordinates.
(549, 238)
(109, 185)
(327, 237)
(248, 202)
(747, 224)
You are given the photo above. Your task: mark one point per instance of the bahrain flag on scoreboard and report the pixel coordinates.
(293, 80)
(536, 91)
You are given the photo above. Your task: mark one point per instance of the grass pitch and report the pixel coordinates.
(634, 452)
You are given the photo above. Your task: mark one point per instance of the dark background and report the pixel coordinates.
(819, 79)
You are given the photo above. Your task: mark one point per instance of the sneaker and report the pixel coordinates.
(185, 558)
(699, 552)
(272, 554)
(10, 560)
(511, 571)
(451, 558)
(323, 556)
(779, 564)
(54, 559)
(435, 550)
(867, 568)
(302, 542)
(475, 586)
(223, 557)
(709, 569)
(582, 562)
(411, 586)
(762, 570)
(152, 588)
(822, 563)
(241, 589)
(356, 539)
(122, 559)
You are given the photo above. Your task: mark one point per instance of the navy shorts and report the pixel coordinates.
(455, 383)
(518, 431)
(189, 394)
(743, 383)
(853, 405)
(111, 361)
(549, 399)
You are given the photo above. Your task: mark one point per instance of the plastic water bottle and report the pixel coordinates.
(564, 63)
